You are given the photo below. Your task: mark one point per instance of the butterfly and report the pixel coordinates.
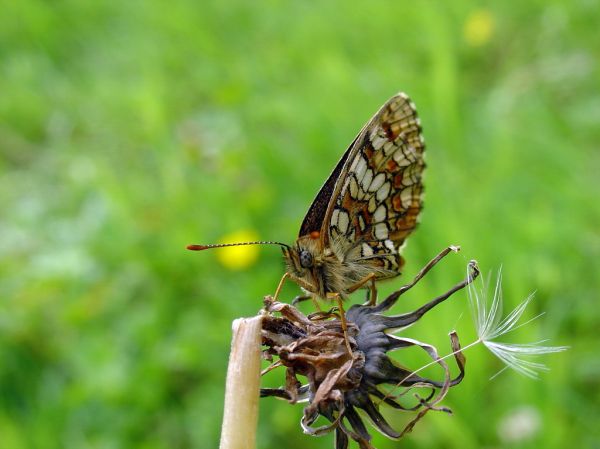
(359, 221)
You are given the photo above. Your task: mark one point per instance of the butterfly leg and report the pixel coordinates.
(344, 323)
(281, 282)
(305, 286)
(373, 296)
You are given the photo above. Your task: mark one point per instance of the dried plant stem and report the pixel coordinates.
(240, 416)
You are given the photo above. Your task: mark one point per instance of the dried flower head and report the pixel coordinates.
(339, 381)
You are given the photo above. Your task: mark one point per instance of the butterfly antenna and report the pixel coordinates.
(223, 245)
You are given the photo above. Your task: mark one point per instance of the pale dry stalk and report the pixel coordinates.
(240, 416)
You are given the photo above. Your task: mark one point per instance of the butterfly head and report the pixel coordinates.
(305, 264)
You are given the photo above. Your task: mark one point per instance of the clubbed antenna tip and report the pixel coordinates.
(197, 247)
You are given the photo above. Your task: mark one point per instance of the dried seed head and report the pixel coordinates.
(340, 382)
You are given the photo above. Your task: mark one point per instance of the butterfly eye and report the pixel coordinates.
(306, 259)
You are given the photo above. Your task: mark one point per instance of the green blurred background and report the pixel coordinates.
(130, 129)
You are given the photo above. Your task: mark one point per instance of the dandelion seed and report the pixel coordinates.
(490, 326)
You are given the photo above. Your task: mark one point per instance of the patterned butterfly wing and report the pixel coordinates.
(314, 219)
(377, 198)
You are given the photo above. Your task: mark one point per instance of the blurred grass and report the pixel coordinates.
(128, 130)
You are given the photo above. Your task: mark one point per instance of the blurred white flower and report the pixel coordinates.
(520, 424)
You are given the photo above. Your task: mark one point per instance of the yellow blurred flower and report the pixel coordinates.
(238, 257)
(478, 28)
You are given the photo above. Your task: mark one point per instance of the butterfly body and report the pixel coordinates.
(355, 228)
(361, 217)
(322, 271)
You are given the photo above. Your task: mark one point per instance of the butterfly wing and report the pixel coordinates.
(314, 219)
(377, 197)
